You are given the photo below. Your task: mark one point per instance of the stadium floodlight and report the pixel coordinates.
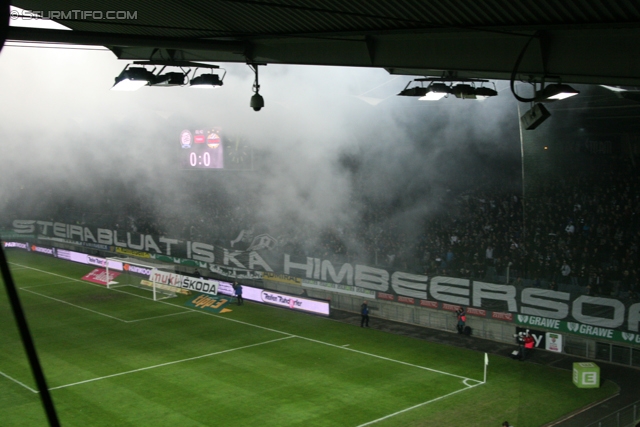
(435, 92)
(133, 79)
(413, 91)
(169, 79)
(440, 87)
(138, 75)
(555, 92)
(484, 93)
(464, 91)
(206, 81)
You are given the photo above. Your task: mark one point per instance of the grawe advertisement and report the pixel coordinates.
(578, 328)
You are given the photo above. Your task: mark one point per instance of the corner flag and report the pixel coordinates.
(486, 363)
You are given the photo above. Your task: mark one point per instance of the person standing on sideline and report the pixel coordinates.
(462, 319)
(238, 289)
(529, 344)
(364, 311)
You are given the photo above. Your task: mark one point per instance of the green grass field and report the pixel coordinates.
(114, 357)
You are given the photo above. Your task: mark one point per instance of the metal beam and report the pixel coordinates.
(88, 38)
(588, 56)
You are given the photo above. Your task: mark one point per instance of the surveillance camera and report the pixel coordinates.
(257, 102)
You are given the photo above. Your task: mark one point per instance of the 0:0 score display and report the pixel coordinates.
(202, 148)
(203, 160)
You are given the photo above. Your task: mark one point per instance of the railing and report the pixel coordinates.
(625, 417)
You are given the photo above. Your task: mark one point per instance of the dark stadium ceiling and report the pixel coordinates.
(577, 41)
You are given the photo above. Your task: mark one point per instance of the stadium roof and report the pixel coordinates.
(577, 41)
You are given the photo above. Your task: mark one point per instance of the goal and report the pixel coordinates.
(136, 273)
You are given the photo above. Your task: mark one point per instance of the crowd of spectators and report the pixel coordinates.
(577, 232)
(581, 232)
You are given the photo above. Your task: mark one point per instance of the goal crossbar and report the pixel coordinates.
(136, 272)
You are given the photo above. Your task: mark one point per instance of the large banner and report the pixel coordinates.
(398, 286)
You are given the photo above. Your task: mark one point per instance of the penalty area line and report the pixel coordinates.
(18, 382)
(46, 284)
(169, 363)
(84, 282)
(157, 317)
(72, 305)
(418, 405)
(102, 314)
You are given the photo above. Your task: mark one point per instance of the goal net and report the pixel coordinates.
(137, 272)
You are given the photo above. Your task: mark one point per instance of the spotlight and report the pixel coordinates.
(439, 87)
(206, 81)
(436, 91)
(484, 93)
(414, 91)
(464, 91)
(169, 79)
(257, 102)
(554, 92)
(133, 79)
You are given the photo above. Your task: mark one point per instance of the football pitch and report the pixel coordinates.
(115, 357)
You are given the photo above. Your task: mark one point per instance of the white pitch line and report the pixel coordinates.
(150, 299)
(387, 358)
(279, 339)
(44, 284)
(102, 314)
(325, 343)
(322, 342)
(73, 305)
(466, 382)
(81, 281)
(157, 317)
(18, 382)
(71, 279)
(170, 363)
(289, 335)
(417, 406)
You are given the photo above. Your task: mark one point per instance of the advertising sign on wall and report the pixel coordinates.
(553, 342)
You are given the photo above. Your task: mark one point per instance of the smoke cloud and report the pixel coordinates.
(330, 145)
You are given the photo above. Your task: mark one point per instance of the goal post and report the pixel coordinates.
(136, 273)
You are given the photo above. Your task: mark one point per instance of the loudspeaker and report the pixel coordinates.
(535, 116)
